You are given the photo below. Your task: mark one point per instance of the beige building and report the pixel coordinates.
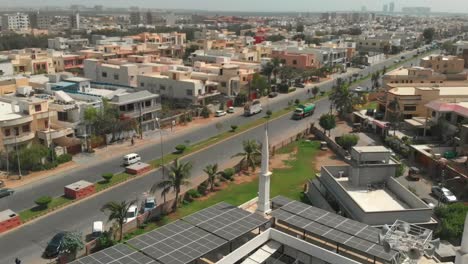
(9, 85)
(32, 61)
(443, 64)
(409, 102)
(420, 76)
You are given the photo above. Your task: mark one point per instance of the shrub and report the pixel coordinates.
(180, 148)
(192, 194)
(228, 173)
(297, 101)
(347, 141)
(64, 158)
(283, 88)
(269, 113)
(217, 184)
(46, 166)
(205, 112)
(203, 187)
(233, 128)
(292, 89)
(43, 201)
(107, 176)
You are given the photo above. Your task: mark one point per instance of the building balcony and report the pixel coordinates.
(52, 134)
(16, 122)
(18, 139)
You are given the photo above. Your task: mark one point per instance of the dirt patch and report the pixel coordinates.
(327, 158)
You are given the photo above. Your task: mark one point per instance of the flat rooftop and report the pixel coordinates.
(371, 149)
(375, 200)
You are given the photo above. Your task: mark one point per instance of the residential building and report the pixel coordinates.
(31, 61)
(9, 85)
(124, 74)
(409, 102)
(142, 107)
(462, 51)
(6, 67)
(177, 84)
(135, 18)
(443, 64)
(75, 43)
(297, 58)
(367, 191)
(420, 76)
(15, 22)
(68, 62)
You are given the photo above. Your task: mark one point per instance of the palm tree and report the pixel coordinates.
(342, 99)
(250, 154)
(178, 176)
(212, 172)
(118, 212)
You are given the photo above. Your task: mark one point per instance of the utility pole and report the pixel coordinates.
(18, 158)
(161, 146)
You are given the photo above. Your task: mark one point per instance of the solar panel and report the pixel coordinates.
(280, 201)
(118, 254)
(177, 243)
(333, 227)
(226, 221)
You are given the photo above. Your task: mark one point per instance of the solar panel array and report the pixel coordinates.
(118, 254)
(182, 241)
(226, 221)
(333, 227)
(177, 243)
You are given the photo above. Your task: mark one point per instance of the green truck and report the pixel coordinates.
(303, 110)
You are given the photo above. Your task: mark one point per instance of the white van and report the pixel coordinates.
(132, 214)
(130, 159)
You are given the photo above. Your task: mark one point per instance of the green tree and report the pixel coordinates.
(327, 122)
(274, 38)
(212, 171)
(315, 91)
(188, 51)
(300, 27)
(205, 113)
(250, 154)
(428, 35)
(43, 201)
(117, 213)
(341, 98)
(268, 113)
(234, 128)
(348, 141)
(259, 83)
(107, 176)
(71, 243)
(453, 219)
(179, 173)
(240, 99)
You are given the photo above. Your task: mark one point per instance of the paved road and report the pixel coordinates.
(29, 241)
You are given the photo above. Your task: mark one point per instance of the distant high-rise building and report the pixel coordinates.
(385, 8)
(363, 9)
(171, 19)
(75, 21)
(149, 18)
(135, 18)
(18, 21)
(392, 7)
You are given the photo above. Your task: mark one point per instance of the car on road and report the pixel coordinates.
(98, 228)
(132, 214)
(403, 57)
(396, 61)
(131, 158)
(6, 192)
(54, 246)
(230, 110)
(429, 202)
(299, 85)
(220, 113)
(149, 204)
(272, 94)
(444, 194)
(360, 89)
(362, 67)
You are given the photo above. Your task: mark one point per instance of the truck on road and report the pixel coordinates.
(252, 108)
(303, 110)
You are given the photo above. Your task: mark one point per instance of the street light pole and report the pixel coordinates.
(18, 159)
(161, 146)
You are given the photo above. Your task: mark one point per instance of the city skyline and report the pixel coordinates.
(458, 6)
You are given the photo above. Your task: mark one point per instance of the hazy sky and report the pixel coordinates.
(258, 5)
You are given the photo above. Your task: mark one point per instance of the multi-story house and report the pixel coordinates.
(68, 62)
(6, 67)
(75, 43)
(462, 51)
(31, 61)
(15, 22)
(443, 64)
(8, 85)
(420, 76)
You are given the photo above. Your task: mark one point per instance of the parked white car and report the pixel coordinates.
(149, 204)
(444, 194)
(220, 113)
(132, 214)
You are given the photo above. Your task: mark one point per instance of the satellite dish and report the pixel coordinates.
(414, 253)
(429, 250)
(435, 243)
(406, 227)
(387, 246)
(381, 238)
(384, 229)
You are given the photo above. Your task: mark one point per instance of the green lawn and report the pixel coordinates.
(286, 181)
(118, 178)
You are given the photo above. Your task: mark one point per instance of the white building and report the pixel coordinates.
(123, 75)
(18, 21)
(6, 67)
(59, 43)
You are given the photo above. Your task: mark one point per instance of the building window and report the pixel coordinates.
(26, 129)
(16, 131)
(448, 116)
(104, 74)
(62, 116)
(116, 76)
(162, 88)
(37, 108)
(433, 113)
(294, 62)
(460, 119)
(142, 84)
(7, 132)
(223, 84)
(148, 103)
(409, 108)
(122, 108)
(46, 123)
(189, 92)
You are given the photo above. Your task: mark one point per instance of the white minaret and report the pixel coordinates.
(263, 203)
(461, 255)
